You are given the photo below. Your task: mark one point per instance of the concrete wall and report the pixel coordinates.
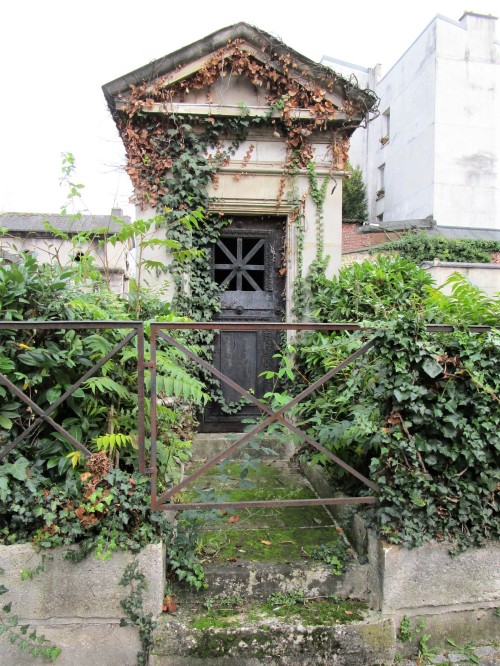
(111, 261)
(77, 605)
(467, 146)
(455, 596)
(484, 276)
(407, 94)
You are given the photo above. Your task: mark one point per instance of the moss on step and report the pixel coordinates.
(274, 518)
(308, 612)
(270, 482)
(231, 475)
(269, 545)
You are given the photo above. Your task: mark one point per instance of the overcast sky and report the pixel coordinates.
(55, 56)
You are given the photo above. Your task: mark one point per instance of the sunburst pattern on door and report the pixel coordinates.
(239, 263)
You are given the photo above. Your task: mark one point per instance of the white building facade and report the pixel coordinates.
(434, 150)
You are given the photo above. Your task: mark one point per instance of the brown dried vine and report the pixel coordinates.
(289, 88)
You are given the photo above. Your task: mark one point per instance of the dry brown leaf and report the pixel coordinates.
(169, 605)
(266, 543)
(233, 519)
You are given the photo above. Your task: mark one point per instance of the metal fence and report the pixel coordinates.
(166, 500)
(137, 331)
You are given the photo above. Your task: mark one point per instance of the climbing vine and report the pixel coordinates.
(318, 195)
(173, 158)
(154, 156)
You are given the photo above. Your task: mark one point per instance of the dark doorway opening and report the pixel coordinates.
(248, 263)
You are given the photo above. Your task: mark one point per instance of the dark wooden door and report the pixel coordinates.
(248, 264)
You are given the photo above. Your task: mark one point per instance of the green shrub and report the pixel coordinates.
(418, 413)
(374, 289)
(354, 197)
(421, 246)
(48, 493)
(102, 413)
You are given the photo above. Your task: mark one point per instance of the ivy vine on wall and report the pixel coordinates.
(173, 158)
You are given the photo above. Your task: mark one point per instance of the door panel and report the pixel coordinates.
(238, 358)
(247, 263)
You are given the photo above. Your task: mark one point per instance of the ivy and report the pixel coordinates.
(318, 195)
(133, 605)
(419, 413)
(418, 246)
(147, 135)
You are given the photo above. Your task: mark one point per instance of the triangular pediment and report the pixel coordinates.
(197, 73)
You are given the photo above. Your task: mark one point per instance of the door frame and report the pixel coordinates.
(273, 228)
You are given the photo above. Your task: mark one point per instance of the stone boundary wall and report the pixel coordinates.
(77, 605)
(456, 596)
(484, 276)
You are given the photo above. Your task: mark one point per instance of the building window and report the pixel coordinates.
(381, 181)
(386, 127)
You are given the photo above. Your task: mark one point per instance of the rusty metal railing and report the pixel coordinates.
(44, 415)
(165, 502)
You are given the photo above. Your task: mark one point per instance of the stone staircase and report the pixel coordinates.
(284, 584)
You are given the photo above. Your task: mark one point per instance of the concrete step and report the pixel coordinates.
(259, 580)
(254, 552)
(284, 584)
(320, 632)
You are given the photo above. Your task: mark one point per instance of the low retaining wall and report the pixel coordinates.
(77, 605)
(484, 276)
(457, 597)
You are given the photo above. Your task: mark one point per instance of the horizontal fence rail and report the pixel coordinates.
(166, 501)
(160, 331)
(137, 331)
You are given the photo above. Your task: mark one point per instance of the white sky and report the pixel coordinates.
(55, 56)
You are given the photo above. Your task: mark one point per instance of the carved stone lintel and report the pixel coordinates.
(250, 206)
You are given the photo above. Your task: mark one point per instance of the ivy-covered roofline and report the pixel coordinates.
(262, 40)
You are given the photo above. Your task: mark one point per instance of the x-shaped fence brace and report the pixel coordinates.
(160, 503)
(44, 415)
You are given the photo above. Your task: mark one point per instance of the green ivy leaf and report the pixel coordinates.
(5, 422)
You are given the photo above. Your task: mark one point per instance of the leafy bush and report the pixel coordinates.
(103, 510)
(102, 413)
(49, 494)
(354, 197)
(419, 412)
(373, 289)
(436, 450)
(421, 246)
